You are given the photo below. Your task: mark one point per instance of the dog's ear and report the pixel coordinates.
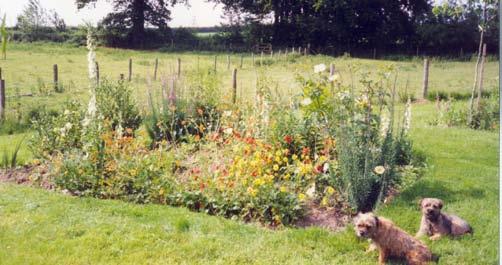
(440, 203)
(354, 220)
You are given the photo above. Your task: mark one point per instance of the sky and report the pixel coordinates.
(200, 13)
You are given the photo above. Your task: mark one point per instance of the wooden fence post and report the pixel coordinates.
(55, 71)
(305, 51)
(271, 53)
(130, 70)
(0, 73)
(2, 99)
(426, 79)
(331, 69)
(261, 58)
(179, 67)
(121, 78)
(228, 62)
(234, 86)
(242, 59)
(156, 67)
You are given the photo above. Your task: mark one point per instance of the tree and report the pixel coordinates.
(324, 22)
(32, 19)
(57, 22)
(132, 16)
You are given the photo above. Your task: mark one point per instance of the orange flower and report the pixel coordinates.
(288, 139)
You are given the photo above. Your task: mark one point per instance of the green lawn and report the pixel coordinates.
(41, 227)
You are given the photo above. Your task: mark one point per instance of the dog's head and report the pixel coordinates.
(366, 225)
(431, 207)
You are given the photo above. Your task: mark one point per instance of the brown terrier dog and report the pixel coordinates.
(436, 224)
(391, 241)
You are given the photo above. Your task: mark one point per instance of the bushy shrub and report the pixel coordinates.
(59, 132)
(115, 103)
(119, 169)
(484, 117)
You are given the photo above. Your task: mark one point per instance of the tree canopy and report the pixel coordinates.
(132, 16)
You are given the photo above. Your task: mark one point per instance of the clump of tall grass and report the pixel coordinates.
(10, 159)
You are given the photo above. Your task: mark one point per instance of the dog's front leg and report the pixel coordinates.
(435, 237)
(383, 256)
(424, 228)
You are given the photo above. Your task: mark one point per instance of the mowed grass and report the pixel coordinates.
(41, 227)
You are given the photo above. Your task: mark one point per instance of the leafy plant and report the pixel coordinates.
(4, 36)
(10, 160)
(115, 104)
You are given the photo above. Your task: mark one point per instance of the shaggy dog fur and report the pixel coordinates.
(436, 224)
(391, 241)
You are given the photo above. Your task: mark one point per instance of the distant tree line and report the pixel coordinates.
(326, 26)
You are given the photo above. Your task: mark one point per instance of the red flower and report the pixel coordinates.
(195, 170)
(288, 139)
(305, 151)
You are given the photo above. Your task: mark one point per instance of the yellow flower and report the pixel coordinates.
(258, 182)
(278, 153)
(251, 191)
(294, 157)
(283, 189)
(301, 197)
(379, 170)
(287, 176)
(161, 191)
(324, 201)
(276, 167)
(330, 190)
(277, 159)
(285, 160)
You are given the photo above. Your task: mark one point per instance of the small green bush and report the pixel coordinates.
(114, 101)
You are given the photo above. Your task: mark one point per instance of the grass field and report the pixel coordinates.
(41, 227)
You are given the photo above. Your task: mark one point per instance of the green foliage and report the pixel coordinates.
(485, 117)
(115, 103)
(4, 37)
(57, 132)
(10, 159)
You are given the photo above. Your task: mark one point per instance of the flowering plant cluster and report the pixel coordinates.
(337, 147)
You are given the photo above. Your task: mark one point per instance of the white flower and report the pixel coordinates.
(379, 170)
(407, 117)
(228, 131)
(91, 56)
(66, 112)
(319, 68)
(68, 126)
(334, 77)
(306, 102)
(384, 125)
(227, 113)
(325, 167)
(311, 191)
